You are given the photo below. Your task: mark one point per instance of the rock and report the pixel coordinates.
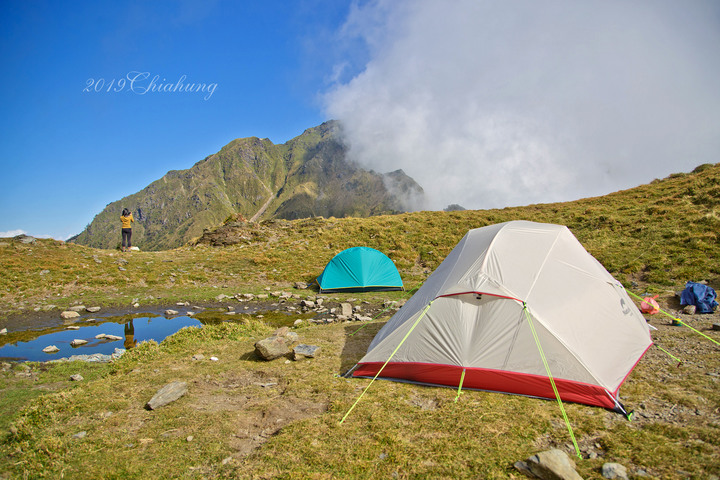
(167, 394)
(214, 359)
(307, 304)
(549, 465)
(77, 308)
(346, 309)
(278, 345)
(68, 314)
(716, 326)
(614, 470)
(221, 297)
(171, 312)
(44, 272)
(77, 342)
(305, 351)
(76, 378)
(295, 323)
(93, 309)
(51, 349)
(26, 239)
(134, 249)
(301, 285)
(689, 309)
(3, 331)
(198, 356)
(72, 327)
(80, 435)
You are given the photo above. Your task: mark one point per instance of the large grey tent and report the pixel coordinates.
(503, 295)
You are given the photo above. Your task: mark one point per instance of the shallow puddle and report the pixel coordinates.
(130, 333)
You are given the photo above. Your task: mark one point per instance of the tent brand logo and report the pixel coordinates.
(624, 306)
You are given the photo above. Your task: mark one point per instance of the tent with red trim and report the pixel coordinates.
(505, 297)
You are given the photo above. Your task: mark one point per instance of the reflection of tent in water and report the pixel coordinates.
(360, 269)
(130, 341)
(512, 304)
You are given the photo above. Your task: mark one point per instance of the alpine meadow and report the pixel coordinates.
(245, 417)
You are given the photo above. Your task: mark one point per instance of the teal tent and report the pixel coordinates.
(359, 269)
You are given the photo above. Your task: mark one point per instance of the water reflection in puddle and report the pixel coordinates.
(132, 332)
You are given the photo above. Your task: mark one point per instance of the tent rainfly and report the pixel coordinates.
(512, 306)
(359, 269)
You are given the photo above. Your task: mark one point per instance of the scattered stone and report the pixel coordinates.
(221, 297)
(277, 345)
(171, 312)
(26, 239)
(72, 327)
(68, 314)
(51, 349)
(614, 470)
(549, 465)
(44, 272)
(346, 309)
(94, 358)
(167, 394)
(134, 249)
(77, 342)
(80, 435)
(716, 326)
(3, 331)
(105, 336)
(93, 309)
(76, 378)
(136, 305)
(689, 309)
(189, 438)
(301, 285)
(198, 356)
(305, 351)
(297, 322)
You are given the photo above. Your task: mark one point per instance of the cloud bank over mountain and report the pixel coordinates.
(491, 104)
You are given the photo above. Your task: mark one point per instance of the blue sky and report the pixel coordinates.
(67, 150)
(485, 103)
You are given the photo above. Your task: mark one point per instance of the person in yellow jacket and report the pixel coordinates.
(127, 220)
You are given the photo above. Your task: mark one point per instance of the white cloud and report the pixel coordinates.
(12, 233)
(489, 104)
(16, 232)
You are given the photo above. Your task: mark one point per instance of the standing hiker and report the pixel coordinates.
(127, 219)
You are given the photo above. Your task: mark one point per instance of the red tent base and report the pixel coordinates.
(492, 380)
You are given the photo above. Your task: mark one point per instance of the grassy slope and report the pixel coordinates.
(653, 238)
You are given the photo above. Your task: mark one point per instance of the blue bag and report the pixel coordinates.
(702, 296)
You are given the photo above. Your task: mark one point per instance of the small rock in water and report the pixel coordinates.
(51, 349)
(171, 312)
(77, 342)
(73, 327)
(93, 309)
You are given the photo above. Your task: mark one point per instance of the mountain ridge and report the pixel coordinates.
(309, 175)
